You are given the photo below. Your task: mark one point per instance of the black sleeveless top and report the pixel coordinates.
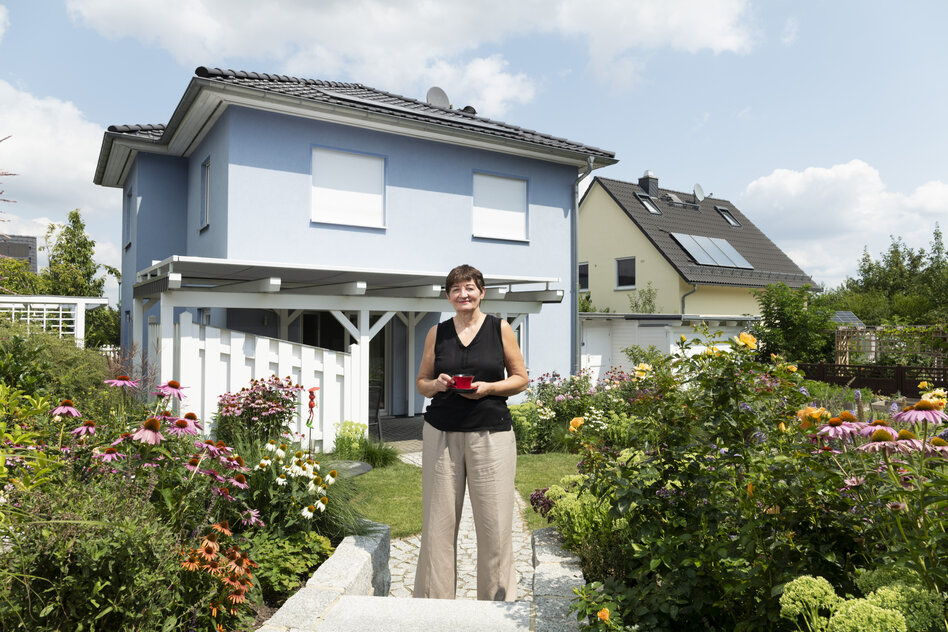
(484, 359)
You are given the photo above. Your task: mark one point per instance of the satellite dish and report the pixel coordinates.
(437, 98)
(699, 193)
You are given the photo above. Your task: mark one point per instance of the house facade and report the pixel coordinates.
(326, 213)
(701, 257)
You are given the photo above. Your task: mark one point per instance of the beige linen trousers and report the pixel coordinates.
(486, 460)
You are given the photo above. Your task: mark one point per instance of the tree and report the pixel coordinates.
(794, 323)
(643, 301)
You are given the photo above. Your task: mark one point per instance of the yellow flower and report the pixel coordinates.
(603, 615)
(791, 368)
(684, 338)
(576, 423)
(745, 340)
(642, 370)
(923, 385)
(782, 427)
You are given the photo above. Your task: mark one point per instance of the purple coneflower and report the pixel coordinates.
(923, 411)
(881, 439)
(878, 424)
(180, 427)
(251, 518)
(194, 420)
(125, 436)
(223, 491)
(65, 408)
(837, 428)
(239, 480)
(108, 455)
(824, 449)
(150, 432)
(87, 428)
(171, 388)
(123, 380)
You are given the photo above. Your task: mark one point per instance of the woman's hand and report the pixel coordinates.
(482, 389)
(443, 382)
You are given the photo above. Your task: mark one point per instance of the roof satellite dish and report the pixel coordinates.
(699, 193)
(437, 98)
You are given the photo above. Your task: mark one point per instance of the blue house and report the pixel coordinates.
(321, 213)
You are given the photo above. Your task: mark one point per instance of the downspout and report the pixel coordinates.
(694, 288)
(575, 363)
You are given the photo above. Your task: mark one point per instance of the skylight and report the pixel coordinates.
(711, 251)
(648, 204)
(728, 216)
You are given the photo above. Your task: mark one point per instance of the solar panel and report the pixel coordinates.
(732, 253)
(693, 249)
(711, 251)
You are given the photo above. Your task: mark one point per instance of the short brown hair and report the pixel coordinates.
(464, 273)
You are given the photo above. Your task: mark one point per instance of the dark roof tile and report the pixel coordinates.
(770, 263)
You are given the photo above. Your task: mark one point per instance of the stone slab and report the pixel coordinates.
(348, 570)
(303, 610)
(548, 548)
(553, 615)
(349, 468)
(370, 614)
(556, 580)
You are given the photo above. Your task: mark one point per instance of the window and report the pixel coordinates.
(584, 276)
(728, 216)
(500, 207)
(348, 188)
(127, 220)
(648, 204)
(206, 193)
(625, 273)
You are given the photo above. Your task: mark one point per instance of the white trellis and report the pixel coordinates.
(60, 315)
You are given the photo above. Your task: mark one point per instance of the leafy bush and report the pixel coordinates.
(286, 562)
(350, 436)
(259, 412)
(22, 364)
(859, 615)
(794, 323)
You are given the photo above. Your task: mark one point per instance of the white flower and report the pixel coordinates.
(309, 510)
(321, 503)
(280, 454)
(311, 488)
(271, 446)
(281, 480)
(331, 478)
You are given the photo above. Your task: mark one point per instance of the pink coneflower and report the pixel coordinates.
(181, 427)
(125, 436)
(108, 455)
(251, 518)
(213, 474)
(208, 446)
(87, 428)
(239, 480)
(854, 481)
(124, 381)
(193, 463)
(921, 412)
(65, 408)
(194, 420)
(224, 492)
(150, 432)
(171, 388)
(882, 439)
(825, 449)
(878, 424)
(837, 428)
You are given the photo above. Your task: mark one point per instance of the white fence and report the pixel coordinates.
(61, 315)
(210, 361)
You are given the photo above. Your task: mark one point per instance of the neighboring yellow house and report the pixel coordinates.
(703, 257)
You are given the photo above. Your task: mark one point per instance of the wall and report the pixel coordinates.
(712, 300)
(605, 234)
(158, 186)
(428, 221)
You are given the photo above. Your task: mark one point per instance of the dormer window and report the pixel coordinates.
(648, 204)
(728, 216)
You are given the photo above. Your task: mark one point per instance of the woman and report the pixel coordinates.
(468, 437)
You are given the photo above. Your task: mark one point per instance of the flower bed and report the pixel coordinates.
(707, 485)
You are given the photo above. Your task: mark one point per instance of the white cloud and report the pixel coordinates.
(791, 29)
(400, 44)
(4, 20)
(823, 218)
(53, 149)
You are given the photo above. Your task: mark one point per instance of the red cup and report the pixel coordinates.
(462, 382)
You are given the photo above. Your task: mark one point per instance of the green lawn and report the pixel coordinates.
(392, 495)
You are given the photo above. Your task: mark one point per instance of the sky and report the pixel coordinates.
(824, 122)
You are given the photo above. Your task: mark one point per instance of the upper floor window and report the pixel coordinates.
(649, 205)
(500, 207)
(348, 188)
(728, 216)
(625, 273)
(206, 193)
(127, 220)
(584, 276)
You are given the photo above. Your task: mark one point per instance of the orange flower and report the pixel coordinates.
(603, 615)
(750, 489)
(745, 340)
(575, 424)
(193, 562)
(223, 526)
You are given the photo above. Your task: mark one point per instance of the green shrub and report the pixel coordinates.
(921, 608)
(22, 364)
(258, 412)
(350, 437)
(286, 562)
(811, 599)
(523, 417)
(377, 453)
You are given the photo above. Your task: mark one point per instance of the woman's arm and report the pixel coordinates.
(516, 380)
(427, 383)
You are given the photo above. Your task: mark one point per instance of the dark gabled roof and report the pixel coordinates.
(770, 263)
(364, 98)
